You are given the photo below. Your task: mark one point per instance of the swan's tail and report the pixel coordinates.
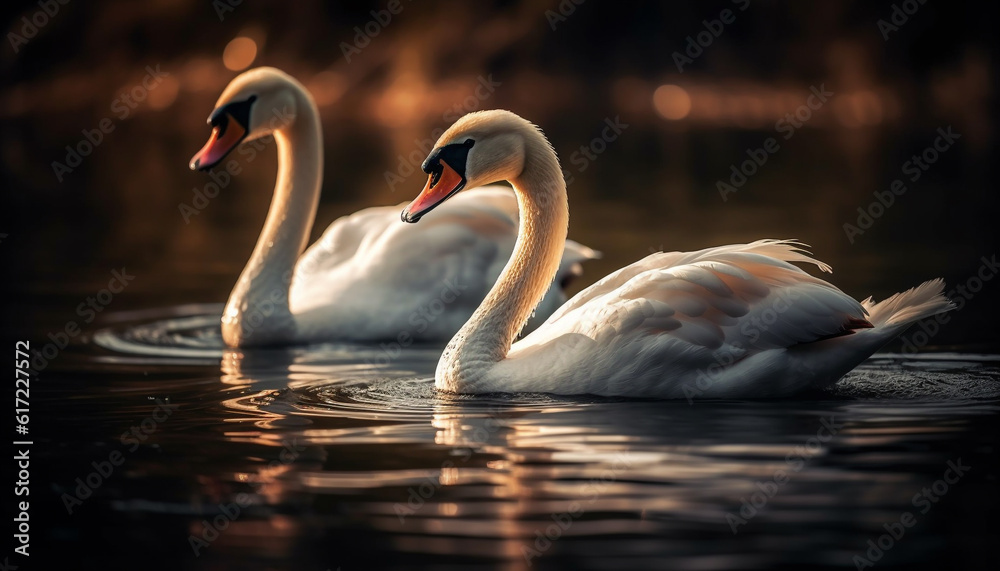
(903, 309)
(826, 361)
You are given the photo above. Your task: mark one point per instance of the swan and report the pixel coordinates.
(354, 283)
(726, 322)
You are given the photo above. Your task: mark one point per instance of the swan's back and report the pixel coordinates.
(372, 273)
(669, 319)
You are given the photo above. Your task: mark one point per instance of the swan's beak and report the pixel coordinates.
(441, 185)
(225, 137)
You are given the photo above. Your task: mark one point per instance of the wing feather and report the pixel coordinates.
(745, 297)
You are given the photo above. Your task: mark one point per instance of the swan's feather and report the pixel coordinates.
(379, 279)
(731, 294)
(726, 321)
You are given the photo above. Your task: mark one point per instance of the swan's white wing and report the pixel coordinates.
(378, 277)
(678, 313)
(363, 238)
(780, 252)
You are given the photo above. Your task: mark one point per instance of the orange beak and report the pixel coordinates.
(224, 139)
(439, 187)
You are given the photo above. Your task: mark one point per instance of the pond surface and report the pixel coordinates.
(345, 457)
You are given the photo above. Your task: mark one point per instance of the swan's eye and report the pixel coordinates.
(455, 154)
(239, 110)
(221, 121)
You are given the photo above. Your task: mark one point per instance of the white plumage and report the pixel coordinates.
(731, 321)
(373, 279)
(369, 278)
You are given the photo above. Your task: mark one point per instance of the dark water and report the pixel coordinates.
(336, 456)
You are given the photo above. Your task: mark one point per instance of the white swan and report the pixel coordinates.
(368, 278)
(731, 321)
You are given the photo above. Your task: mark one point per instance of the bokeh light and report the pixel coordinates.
(239, 53)
(672, 102)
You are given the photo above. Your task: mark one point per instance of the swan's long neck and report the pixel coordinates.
(543, 211)
(258, 311)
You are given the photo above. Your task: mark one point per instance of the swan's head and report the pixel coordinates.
(255, 104)
(480, 148)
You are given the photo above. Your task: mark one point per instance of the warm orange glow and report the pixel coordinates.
(199, 74)
(869, 107)
(749, 111)
(404, 102)
(631, 95)
(672, 102)
(239, 53)
(165, 94)
(327, 87)
(858, 109)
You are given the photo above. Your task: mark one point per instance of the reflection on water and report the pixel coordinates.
(339, 456)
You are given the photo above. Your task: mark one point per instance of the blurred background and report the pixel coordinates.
(651, 106)
(694, 85)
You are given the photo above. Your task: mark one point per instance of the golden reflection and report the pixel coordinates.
(448, 477)
(544, 469)
(494, 473)
(232, 368)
